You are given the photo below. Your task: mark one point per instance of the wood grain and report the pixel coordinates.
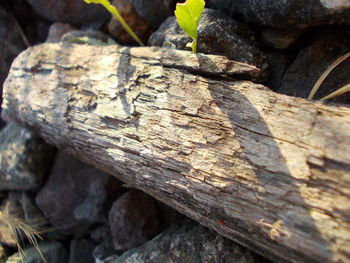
(269, 171)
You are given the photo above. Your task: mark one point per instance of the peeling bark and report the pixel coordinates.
(269, 171)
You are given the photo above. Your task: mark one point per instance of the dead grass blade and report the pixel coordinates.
(326, 73)
(21, 230)
(338, 92)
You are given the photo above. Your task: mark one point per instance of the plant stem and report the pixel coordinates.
(194, 46)
(106, 4)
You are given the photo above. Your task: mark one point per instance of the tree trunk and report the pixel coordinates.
(269, 171)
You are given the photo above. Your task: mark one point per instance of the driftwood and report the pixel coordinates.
(269, 171)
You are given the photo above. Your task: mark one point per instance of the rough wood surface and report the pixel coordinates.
(269, 171)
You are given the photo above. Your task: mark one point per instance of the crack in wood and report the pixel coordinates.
(210, 146)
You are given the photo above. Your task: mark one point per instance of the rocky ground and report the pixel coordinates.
(86, 215)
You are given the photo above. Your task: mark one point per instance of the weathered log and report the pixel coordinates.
(269, 171)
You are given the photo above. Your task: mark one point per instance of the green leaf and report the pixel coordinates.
(188, 15)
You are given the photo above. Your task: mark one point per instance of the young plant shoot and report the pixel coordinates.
(106, 4)
(188, 15)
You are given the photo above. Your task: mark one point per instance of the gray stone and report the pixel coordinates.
(133, 220)
(103, 251)
(154, 11)
(76, 195)
(170, 32)
(100, 233)
(2, 122)
(81, 251)
(279, 62)
(24, 159)
(188, 243)
(286, 13)
(75, 12)
(52, 251)
(280, 38)
(35, 28)
(102, 236)
(218, 34)
(57, 30)
(313, 60)
(169, 215)
(110, 259)
(93, 37)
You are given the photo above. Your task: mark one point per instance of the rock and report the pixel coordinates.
(138, 24)
(154, 11)
(75, 12)
(110, 259)
(169, 215)
(57, 30)
(279, 62)
(3, 256)
(24, 159)
(2, 122)
(218, 34)
(280, 38)
(286, 13)
(52, 251)
(11, 44)
(76, 195)
(92, 37)
(103, 251)
(170, 32)
(133, 219)
(34, 27)
(313, 60)
(102, 235)
(187, 243)
(81, 251)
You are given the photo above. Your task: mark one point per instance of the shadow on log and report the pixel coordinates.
(269, 171)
